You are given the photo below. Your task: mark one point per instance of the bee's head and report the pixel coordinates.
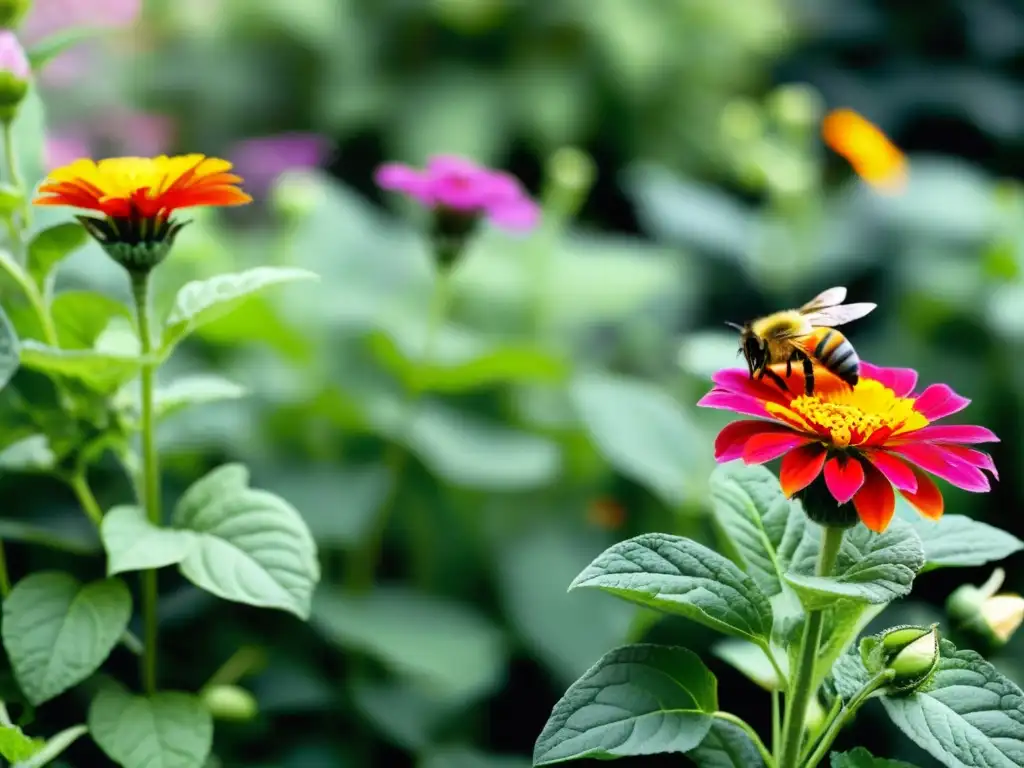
(752, 347)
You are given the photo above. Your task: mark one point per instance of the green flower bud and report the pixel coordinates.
(912, 653)
(994, 617)
(230, 702)
(15, 73)
(12, 12)
(796, 105)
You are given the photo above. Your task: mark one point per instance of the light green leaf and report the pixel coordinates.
(642, 432)
(10, 353)
(871, 568)
(203, 301)
(15, 746)
(175, 396)
(636, 700)
(767, 532)
(967, 715)
(955, 541)
(53, 747)
(250, 546)
(166, 730)
(467, 757)
(51, 246)
(726, 746)
(101, 371)
(81, 316)
(750, 659)
(58, 631)
(31, 454)
(29, 136)
(11, 198)
(445, 649)
(861, 758)
(134, 544)
(52, 46)
(678, 576)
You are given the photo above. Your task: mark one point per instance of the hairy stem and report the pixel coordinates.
(845, 715)
(363, 562)
(150, 475)
(801, 687)
(739, 722)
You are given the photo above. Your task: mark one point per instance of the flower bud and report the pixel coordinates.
(14, 75)
(796, 105)
(230, 702)
(912, 653)
(981, 611)
(12, 12)
(571, 173)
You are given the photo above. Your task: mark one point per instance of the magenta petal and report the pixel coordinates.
(396, 177)
(731, 440)
(948, 433)
(730, 401)
(844, 476)
(738, 380)
(452, 165)
(519, 216)
(944, 464)
(938, 401)
(895, 471)
(771, 445)
(900, 380)
(978, 459)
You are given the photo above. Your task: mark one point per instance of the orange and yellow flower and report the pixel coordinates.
(873, 156)
(866, 441)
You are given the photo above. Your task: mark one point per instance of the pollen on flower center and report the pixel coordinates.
(852, 416)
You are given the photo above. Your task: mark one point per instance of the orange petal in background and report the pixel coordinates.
(873, 156)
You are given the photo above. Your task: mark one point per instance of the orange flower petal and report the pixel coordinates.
(800, 467)
(873, 156)
(927, 499)
(875, 502)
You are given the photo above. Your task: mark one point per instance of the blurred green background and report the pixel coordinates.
(561, 415)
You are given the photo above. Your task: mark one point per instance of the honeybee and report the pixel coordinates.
(805, 335)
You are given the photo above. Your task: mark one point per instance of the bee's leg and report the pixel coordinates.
(777, 379)
(808, 376)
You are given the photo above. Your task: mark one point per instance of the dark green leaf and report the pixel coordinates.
(636, 700)
(861, 758)
(726, 746)
(466, 757)
(81, 316)
(678, 576)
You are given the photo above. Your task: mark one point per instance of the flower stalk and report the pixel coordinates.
(845, 715)
(802, 682)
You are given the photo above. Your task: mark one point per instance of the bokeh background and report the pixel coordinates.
(675, 146)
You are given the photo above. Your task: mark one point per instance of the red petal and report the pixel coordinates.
(800, 467)
(900, 380)
(944, 464)
(895, 471)
(731, 440)
(844, 476)
(771, 445)
(927, 499)
(730, 401)
(939, 401)
(950, 433)
(875, 502)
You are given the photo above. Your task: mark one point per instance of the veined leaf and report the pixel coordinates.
(955, 541)
(726, 746)
(861, 758)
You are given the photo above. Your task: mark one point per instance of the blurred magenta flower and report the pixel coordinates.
(457, 185)
(63, 148)
(12, 56)
(131, 132)
(261, 160)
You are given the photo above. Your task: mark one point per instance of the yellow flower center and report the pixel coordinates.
(852, 416)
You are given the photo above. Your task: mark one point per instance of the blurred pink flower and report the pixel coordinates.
(131, 132)
(455, 184)
(261, 160)
(65, 148)
(12, 56)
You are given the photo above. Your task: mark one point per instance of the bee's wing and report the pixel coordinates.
(833, 316)
(829, 298)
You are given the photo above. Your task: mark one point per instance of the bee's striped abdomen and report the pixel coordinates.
(836, 353)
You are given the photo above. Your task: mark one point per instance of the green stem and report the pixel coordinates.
(363, 562)
(150, 474)
(776, 723)
(847, 713)
(739, 722)
(86, 498)
(5, 579)
(801, 688)
(11, 159)
(242, 662)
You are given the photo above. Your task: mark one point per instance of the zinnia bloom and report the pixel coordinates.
(137, 196)
(873, 156)
(455, 185)
(867, 440)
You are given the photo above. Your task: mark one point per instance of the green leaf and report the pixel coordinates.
(58, 631)
(29, 137)
(53, 747)
(637, 700)
(641, 431)
(50, 47)
(51, 246)
(31, 454)
(768, 532)
(234, 541)
(967, 715)
(85, 543)
(15, 746)
(203, 301)
(103, 372)
(81, 316)
(861, 758)
(849, 674)
(135, 544)
(750, 659)
(726, 746)
(165, 730)
(404, 714)
(443, 648)
(678, 576)
(179, 394)
(467, 757)
(871, 568)
(956, 541)
(11, 198)
(9, 350)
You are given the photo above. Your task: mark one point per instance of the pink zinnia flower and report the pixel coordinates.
(262, 160)
(457, 185)
(12, 56)
(868, 440)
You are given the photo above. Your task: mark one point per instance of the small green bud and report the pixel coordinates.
(15, 73)
(12, 12)
(912, 653)
(230, 702)
(796, 105)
